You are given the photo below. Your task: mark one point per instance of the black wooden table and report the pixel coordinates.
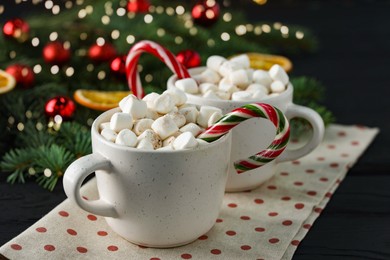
(354, 64)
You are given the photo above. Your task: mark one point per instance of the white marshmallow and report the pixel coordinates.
(214, 62)
(205, 114)
(178, 118)
(104, 125)
(239, 78)
(150, 98)
(254, 87)
(164, 126)
(273, 95)
(135, 107)
(121, 121)
(194, 129)
(242, 96)
(224, 95)
(169, 141)
(188, 85)
(198, 78)
(258, 95)
(278, 73)
(202, 142)
(166, 148)
(249, 73)
(209, 76)
(144, 144)
(184, 141)
(226, 85)
(164, 104)
(214, 118)
(211, 95)
(126, 137)
(151, 114)
(277, 87)
(262, 77)
(179, 96)
(141, 125)
(204, 87)
(228, 67)
(109, 134)
(151, 137)
(242, 59)
(190, 113)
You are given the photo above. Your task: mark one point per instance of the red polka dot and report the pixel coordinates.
(186, 256)
(298, 183)
(232, 205)
(49, 247)
(231, 233)
(259, 201)
(274, 240)
(63, 213)
(112, 248)
(82, 250)
(16, 247)
(299, 206)
(307, 226)
(219, 220)
(41, 229)
(310, 171)
(328, 194)
(286, 198)
(355, 143)
(331, 146)
(324, 179)
(318, 210)
(334, 165)
(246, 247)
(204, 237)
(287, 223)
(215, 251)
(71, 232)
(245, 218)
(361, 127)
(143, 247)
(92, 217)
(284, 173)
(321, 158)
(154, 258)
(84, 197)
(296, 162)
(341, 133)
(260, 229)
(311, 193)
(271, 187)
(344, 155)
(102, 233)
(338, 181)
(273, 214)
(295, 242)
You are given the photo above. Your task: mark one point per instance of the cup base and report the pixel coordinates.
(232, 190)
(162, 245)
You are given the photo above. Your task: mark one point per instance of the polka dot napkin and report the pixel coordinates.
(266, 223)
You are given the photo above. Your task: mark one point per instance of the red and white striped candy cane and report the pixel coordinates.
(157, 50)
(243, 113)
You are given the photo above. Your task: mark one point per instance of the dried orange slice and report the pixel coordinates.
(7, 82)
(266, 61)
(99, 100)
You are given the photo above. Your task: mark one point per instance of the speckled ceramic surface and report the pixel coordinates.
(153, 198)
(254, 135)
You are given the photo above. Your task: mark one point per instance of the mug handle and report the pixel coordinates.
(74, 177)
(317, 124)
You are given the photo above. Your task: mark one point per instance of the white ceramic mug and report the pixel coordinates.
(153, 198)
(244, 144)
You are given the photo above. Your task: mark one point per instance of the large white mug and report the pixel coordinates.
(251, 135)
(153, 198)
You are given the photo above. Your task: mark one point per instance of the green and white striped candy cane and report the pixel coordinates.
(243, 113)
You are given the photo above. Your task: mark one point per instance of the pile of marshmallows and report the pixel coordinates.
(159, 122)
(234, 80)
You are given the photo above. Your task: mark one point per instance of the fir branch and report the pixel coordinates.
(17, 162)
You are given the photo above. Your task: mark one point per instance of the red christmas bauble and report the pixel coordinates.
(138, 6)
(205, 12)
(118, 65)
(60, 105)
(101, 53)
(56, 53)
(17, 29)
(189, 58)
(23, 75)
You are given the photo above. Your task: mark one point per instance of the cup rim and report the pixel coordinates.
(197, 70)
(100, 119)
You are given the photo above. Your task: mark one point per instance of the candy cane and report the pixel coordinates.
(243, 113)
(157, 50)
